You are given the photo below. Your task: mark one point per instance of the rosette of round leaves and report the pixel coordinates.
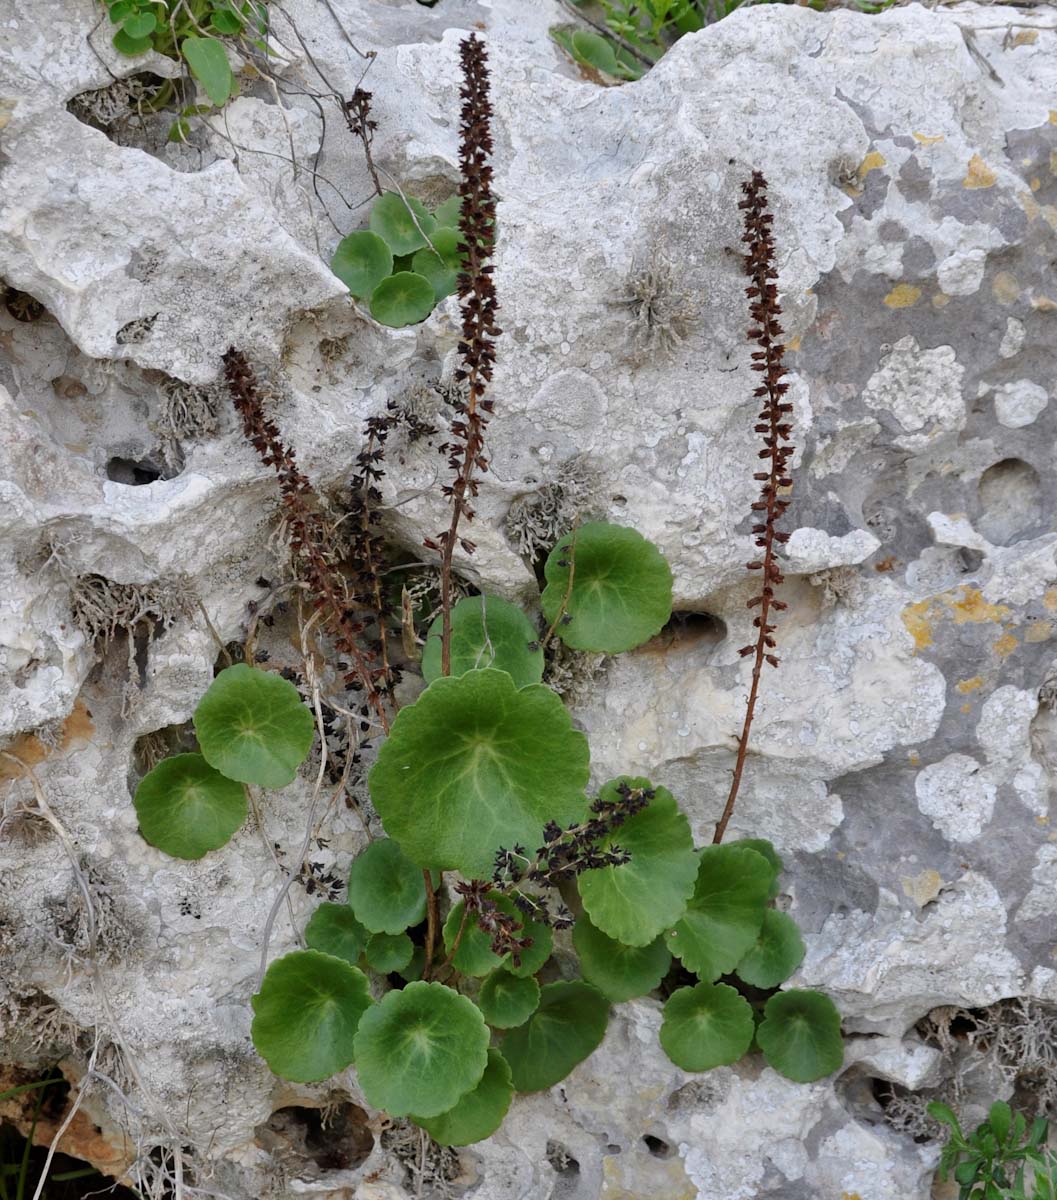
(440, 262)
(479, 1113)
(187, 808)
(420, 1050)
(725, 913)
(619, 972)
(568, 1025)
(776, 953)
(621, 590)
(709, 1025)
(486, 632)
(253, 726)
(475, 764)
(634, 902)
(508, 1000)
(403, 224)
(307, 1013)
(387, 892)
(333, 929)
(800, 1035)
(474, 955)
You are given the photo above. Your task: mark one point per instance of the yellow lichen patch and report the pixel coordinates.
(967, 606)
(922, 888)
(1026, 37)
(1049, 601)
(793, 343)
(1053, 116)
(979, 174)
(1029, 204)
(914, 758)
(940, 300)
(926, 140)
(965, 686)
(850, 1196)
(1039, 631)
(1053, 162)
(1036, 182)
(972, 607)
(76, 731)
(1004, 287)
(1043, 303)
(874, 161)
(1005, 645)
(966, 708)
(903, 295)
(916, 619)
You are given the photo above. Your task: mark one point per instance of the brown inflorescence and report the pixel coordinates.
(775, 426)
(309, 536)
(479, 305)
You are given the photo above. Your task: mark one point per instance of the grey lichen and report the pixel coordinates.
(102, 609)
(538, 518)
(662, 311)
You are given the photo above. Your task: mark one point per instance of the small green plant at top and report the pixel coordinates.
(1002, 1159)
(193, 32)
(405, 262)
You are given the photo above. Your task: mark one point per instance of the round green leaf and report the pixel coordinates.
(766, 848)
(568, 1025)
(391, 219)
(619, 972)
(226, 21)
(333, 929)
(476, 764)
(622, 588)
(595, 51)
(706, 1026)
(185, 807)
(778, 951)
(253, 727)
(635, 902)
(209, 65)
(475, 956)
(118, 10)
(508, 1000)
(479, 1113)
(420, 1050)
(403, 299)
(130, 46)
(447, 214)
(486, 632)
(800, 1035)
(725, 912)
(139, 25)
(361, 261)
(387, 892)
(441, 264)
(389, 952)
(306, 1014)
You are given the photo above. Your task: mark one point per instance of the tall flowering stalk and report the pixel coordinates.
(479, 305)
(775, 426)
(309, 536)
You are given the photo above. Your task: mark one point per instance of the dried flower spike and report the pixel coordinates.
(774, 425)
(479, 305)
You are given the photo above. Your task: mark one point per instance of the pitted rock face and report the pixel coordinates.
(903, 755)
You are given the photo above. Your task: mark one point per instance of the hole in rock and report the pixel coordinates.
(1010, 501)
(21, 305)
(689, 629)
(68, 1178)
(134, 472)
(335, 1138)
(906, 1111)
(658, 1147)
(561, 1160)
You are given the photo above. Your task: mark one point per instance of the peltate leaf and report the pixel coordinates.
(333, 929)
(486, 632)
(725, 912)
(403, 299)
(185, 807)
(421, 1049)
(766, 848)
(508, 1000)
(441, 264)
(306, 1015)
(568, 1025)
(800, 1035)
(621, 592)
(479, 1113)
(447, 214)
(388, 952)
(476, 764)
(253, 726)
(475, 956)
(361, 261)
(619, 972)
(778, 951)
(706, 1026)
(634, 902)
(387, 892)
(392, 220)
(209, 65)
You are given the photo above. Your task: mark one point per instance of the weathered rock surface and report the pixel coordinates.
(902, 757)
